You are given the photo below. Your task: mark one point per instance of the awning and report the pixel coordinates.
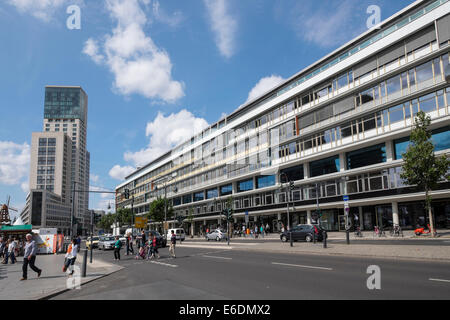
(22, 228)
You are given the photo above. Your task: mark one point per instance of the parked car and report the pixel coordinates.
(217, 235)
(123, 239)
(179, 232)
(95, 241)
(303, 232)
(160, 241)
(106, 243)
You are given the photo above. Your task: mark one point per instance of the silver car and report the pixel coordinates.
(217, 235)
(106, 243)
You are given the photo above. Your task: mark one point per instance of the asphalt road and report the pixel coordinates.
(212, 274)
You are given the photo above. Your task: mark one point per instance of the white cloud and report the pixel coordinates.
(103, 205)
(223, 25)
(264, 85)
(119, 173)
(42, 9)
(138, 65)
(103, 195)
(94, 178)
(25, 186)
(165, 133)
(160, 15)
(14, 162)
(327, 26)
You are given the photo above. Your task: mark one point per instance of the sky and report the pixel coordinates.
(156, 71)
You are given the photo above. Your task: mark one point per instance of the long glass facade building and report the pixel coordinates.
(338, 127)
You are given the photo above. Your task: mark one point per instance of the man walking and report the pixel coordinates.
(29, 257)
(117, 246)
(11, 253)
(2, 248)
(173, 241)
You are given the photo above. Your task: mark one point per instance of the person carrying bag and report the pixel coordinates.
(71, 256)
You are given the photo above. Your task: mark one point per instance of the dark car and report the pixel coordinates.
(303, 232)
(160, 241)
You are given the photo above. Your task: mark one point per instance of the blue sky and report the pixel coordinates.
(154, 71)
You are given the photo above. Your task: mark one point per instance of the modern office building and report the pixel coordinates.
(336, 128)
(59, 159)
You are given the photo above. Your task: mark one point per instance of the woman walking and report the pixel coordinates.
(117, 246)
(71, 256)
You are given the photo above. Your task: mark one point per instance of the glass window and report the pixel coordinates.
(342, 81)
(396, 113)
(324, 166)
(441, 138)
(212, 193)
(199, 196)
(265, 181)
(245, 185)
(292, 174)
(226, 190)
(424, 72)
(367, 96)
(428, 103)
(393, 85)
(366, 156)
(400, 147)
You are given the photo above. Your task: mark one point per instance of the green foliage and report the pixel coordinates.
(124, 216)
(156, 212)
(106, 222)
(421, 167)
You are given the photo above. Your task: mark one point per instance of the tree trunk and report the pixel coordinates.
(430, 213)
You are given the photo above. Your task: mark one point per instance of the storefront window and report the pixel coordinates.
(366, 156)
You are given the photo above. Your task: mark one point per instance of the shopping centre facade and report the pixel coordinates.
(338, 127)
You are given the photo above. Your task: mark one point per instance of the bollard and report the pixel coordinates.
(314, 236)
(347, 236)
(325, 239)
(83, 269)
(290, 237)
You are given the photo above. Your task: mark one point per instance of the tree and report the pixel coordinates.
(124, 216)
(421, 167)
(106, 222)
(157, 213)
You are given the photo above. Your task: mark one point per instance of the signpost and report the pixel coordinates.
(141, 222)
(347, 218)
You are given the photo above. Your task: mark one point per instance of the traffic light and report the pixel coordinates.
(127, 194)
(180, 219)
(319, 213)
(97, 218)
(229, 215)
(291, 185)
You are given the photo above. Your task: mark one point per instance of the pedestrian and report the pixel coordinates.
(150, 253)
(79, 241)
(173, 242)
(143, 238)
(243, 230)
(2, 248)
(29, 257)
(12, 245)
(261, 230)
(155, 247)
(267, 228)
(129, 244)
(117, 246)
(71, 256)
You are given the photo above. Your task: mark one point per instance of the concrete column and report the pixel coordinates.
(361, 224)
(308, 216)
(278, 216)
(255, 218)
(395, 219)
(306, 170)
(389, 151)
(235, 220)
(342, 161)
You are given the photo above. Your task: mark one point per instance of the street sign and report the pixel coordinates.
(346, 205)
(141, 222)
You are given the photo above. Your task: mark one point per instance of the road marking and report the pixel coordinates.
(225, 258)
(301, 266)
(164, 264)
(206, 246)
(440, 280)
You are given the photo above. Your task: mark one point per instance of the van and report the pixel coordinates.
(179, 234)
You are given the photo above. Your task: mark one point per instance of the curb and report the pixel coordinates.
(346, 255)
(59, 292)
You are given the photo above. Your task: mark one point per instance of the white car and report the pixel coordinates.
(217, 235)
(179, 232)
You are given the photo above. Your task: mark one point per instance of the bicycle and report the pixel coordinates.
(358, 232)
(396, 231)
(378, 232)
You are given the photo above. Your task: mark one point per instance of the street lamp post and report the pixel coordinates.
(287, 195)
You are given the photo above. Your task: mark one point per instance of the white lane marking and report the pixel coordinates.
(440, 280)
(164, 264)
(206, 247)
(225, 258)
(301, 266)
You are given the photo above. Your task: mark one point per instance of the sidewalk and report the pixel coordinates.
(52, 280)
(366, 235)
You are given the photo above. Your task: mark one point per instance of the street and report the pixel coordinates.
(216, 274)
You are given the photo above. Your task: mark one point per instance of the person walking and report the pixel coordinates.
(173, 242)
(129, 244)
(117, 246)
(29, 258)
(261, 230)
(155, 247)
(2, 248)
(150, 253)
(267, 228)
(71, 256)
(12, 245)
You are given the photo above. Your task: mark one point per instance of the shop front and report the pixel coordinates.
(414, 214)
